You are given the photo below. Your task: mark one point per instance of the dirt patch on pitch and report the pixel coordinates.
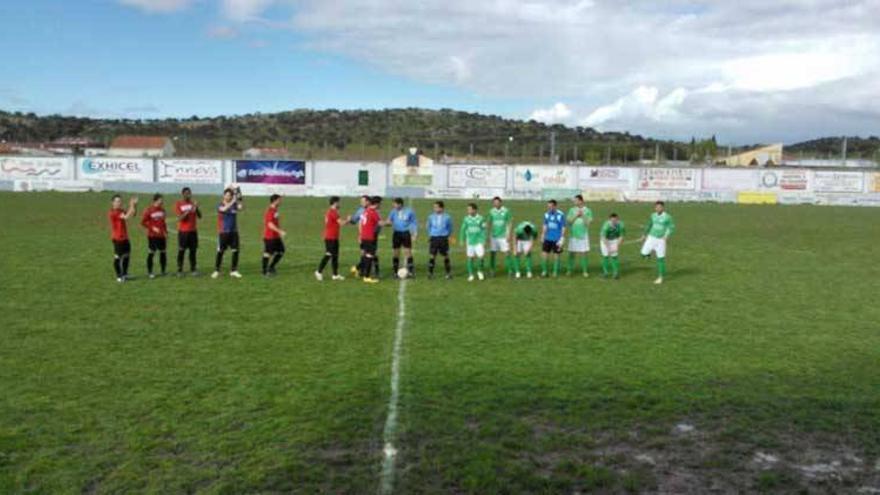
(687, 457)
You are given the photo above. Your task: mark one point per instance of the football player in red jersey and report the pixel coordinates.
(368, 234)
(119, 234)
(273, 245)
(188, 213)
(153, 221)
(332, 222)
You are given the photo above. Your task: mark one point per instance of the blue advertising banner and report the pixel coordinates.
(287, 172)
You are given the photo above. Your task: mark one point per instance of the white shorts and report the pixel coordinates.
(476, 251)
(656, 244)
(579, 245)
(609, 247)
(499, 244)
(523, 246)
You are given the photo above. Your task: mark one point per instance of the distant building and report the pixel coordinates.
(141, 146)
(266, 153)
(765, 156)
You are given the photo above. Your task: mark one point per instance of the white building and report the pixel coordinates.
(141, 147)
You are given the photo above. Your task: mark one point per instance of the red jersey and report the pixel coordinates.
(369, 223)
(153, 220)
(271, 216)
(188, 222)
(118, 230)
(331, 225)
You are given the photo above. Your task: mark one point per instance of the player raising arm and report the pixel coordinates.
(579, 218)
(552, 237)
(500, 220)
(188, 213)
(332, 222)
(657, 231)
(227, 228)
(439, 226)
(610, 239)
(273, 243)
(473, 231)
(403, 222)
(525, 234)
(119, 234)
(153, 221)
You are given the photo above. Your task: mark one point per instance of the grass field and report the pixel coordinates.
(756, 367)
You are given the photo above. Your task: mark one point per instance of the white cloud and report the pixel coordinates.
(245, 10)
(559, 113)
(673, 68)
(222, 32)
(158, 6)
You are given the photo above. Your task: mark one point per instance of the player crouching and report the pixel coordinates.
(273, 243)
(525, 234)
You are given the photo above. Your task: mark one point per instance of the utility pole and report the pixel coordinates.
(843, 152)
(472, 152)
(657, 153)
(608, 154)
(553, 147)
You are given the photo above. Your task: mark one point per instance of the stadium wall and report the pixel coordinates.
(460, 180)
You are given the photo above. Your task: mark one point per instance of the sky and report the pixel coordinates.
(747, 71)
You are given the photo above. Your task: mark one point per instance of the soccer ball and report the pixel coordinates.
(402, 273)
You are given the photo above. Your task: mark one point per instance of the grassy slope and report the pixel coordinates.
(763, 339)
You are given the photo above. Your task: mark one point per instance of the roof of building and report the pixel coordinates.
(139, 142)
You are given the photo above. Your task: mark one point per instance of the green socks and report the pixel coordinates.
(661, 267)
(584, 263)
(570, 262)
(615, 266)
(606, 266)
(470, 266)
(529, 263)
(556, 264)
(514, 263)
(492, 261)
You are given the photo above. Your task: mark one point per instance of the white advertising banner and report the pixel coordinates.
(729, 180)
(535, 178)
(680, 179)
(477, 176)
(785, 180)
(116, 169)
(190, 171)
(843, 182)
(616, 178)
(35, 168)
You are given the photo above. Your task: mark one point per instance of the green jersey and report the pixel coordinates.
(610, 232)
(500, 220)
(660, 225)
(579, 224)
(521, 234)
(473, 230)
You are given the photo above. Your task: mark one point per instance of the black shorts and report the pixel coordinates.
(227, 240)
(551, 247)
(273, 246)
(439, 245)
(188, 240)
(121, 248)
(368, 247)
(331, 247)
(401, 239)
(156, 243)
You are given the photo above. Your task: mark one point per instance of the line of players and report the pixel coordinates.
(498, 232)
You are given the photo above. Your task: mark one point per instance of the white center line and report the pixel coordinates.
(390, 432)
